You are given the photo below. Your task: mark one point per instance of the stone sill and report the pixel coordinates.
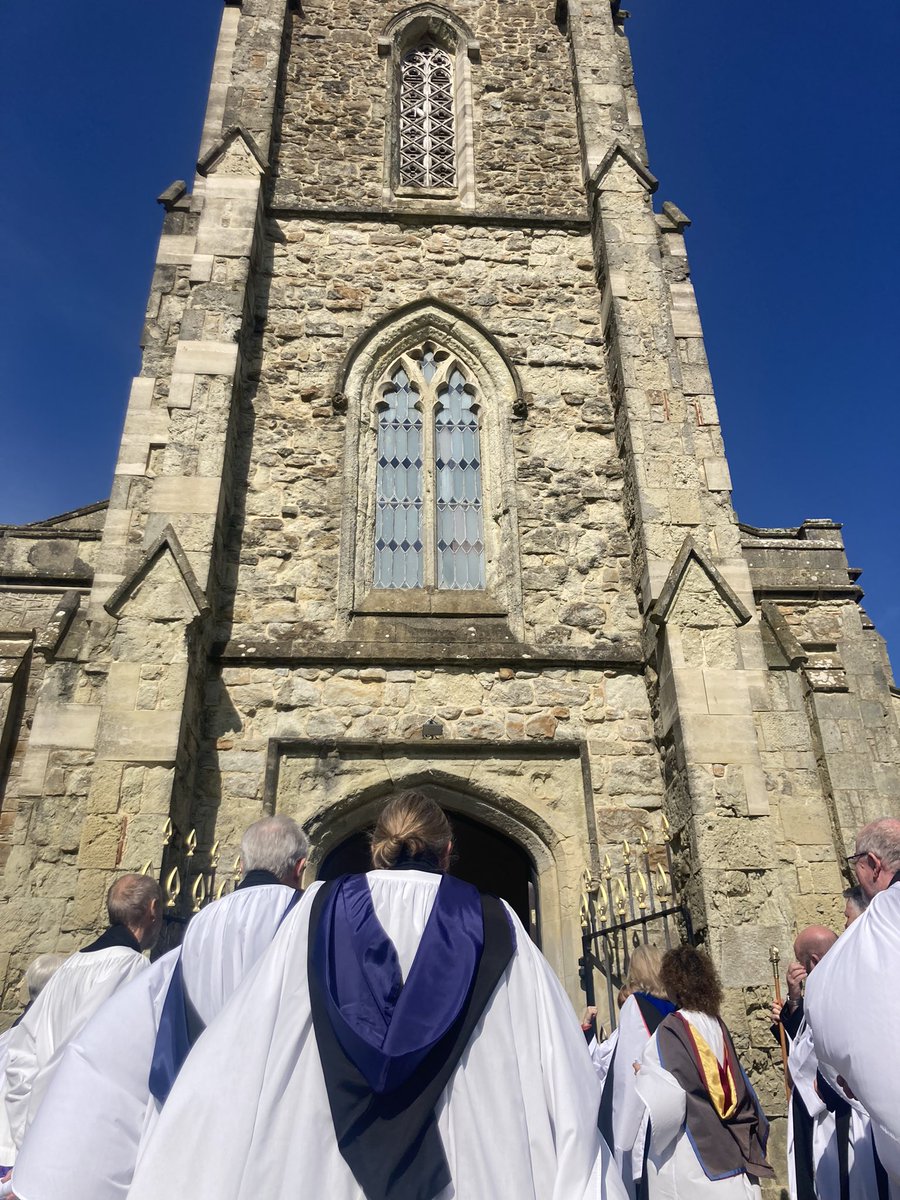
(428, 655)
(430, 601)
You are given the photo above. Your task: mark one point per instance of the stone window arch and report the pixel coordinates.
(429, 139)
(431, 403)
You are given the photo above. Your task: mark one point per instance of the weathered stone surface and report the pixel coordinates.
(572, 711)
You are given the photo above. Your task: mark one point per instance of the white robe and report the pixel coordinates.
(803, 1066)
(6, 1138)
(601, 1054)
(673, 1169)
(72, 996)
(853, 1007)
(518, 1117)
(85, 1139)
(629, 1113)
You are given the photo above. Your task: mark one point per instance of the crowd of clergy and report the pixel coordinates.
(397, 1035)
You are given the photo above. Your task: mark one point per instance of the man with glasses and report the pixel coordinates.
(853, 998)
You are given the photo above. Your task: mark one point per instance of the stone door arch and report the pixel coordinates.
(482, 855)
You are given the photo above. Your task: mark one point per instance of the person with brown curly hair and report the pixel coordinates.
(707, 1131)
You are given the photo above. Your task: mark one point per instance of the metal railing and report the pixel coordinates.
(627, 907)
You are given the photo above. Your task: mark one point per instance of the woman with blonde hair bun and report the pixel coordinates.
(412, 832)
(623, 1116)
(404, 1040)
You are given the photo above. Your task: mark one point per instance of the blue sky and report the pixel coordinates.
(774, 128)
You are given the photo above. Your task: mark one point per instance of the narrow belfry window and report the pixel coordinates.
(399, 549)
(427, 119)
(460, 526)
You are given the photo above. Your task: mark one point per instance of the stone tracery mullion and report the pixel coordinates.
(427, 118)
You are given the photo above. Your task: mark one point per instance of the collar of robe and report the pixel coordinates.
(384, 1025)
(116, 935)
(258, 877)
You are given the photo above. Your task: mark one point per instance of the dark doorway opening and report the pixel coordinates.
(481, 856)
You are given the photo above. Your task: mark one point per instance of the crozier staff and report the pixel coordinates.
(707, 1131)
(402, 1039)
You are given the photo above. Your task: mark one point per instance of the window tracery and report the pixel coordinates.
(427, 118)
(429, 518)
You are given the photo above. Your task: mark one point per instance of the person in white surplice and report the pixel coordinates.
(402, 1039)
(623, 1115)
(76, 991)
(707, 1131)
(112, 1078)
(853, 999)
(37, 976)
(830, 1155)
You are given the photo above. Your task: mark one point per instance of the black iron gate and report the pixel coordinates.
(624, 909)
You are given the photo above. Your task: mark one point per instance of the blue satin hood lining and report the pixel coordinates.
(387, 1027)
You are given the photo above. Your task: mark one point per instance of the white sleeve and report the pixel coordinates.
(21, 1068)
(663, 1096)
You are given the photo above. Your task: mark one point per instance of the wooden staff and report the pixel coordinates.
(773, 958)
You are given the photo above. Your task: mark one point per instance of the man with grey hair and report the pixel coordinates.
(853, 999)
(273, 850)
(75, 992)
(114, 1078)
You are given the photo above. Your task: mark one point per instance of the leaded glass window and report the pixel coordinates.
(398, 487)
(429, 521)
(427, 118)
(457, 463)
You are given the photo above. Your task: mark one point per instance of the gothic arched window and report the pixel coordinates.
(429, 150)
(427, 142)
(429, 508)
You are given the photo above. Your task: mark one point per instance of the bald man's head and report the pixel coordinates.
(812, 944)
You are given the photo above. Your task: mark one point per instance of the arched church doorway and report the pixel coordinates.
(483, 856)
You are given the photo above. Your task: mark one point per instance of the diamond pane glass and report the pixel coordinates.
(427, 133)
(460, 521)
(399, 493)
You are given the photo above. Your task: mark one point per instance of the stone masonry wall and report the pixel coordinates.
(533, 289)
(526, 143)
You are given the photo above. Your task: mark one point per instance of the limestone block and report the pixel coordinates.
(141, 396)
(185, 494)
(181, 390)
(716, 738)
(89, 908)
(726, 691)
(718, 477)
(100, 840)
(741, 955)
(73, 726)
(205, 358)
(34, 769)
(175, 249)
(783, 731)
(104, 795)
(122, 685)
(141, 736)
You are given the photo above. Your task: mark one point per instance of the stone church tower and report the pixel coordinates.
(422, 482)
